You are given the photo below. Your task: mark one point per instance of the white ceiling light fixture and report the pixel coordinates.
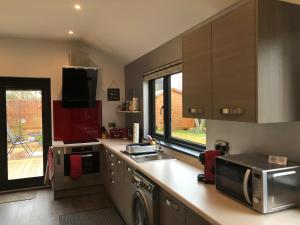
(70, 32)
(77, 7)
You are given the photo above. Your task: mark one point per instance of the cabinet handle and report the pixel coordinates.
(232, 111)
(106, 150)
(111, 155)
(128, 169)
(111, 164)
(196, 110)
(172, 205)
(112, 181)
(119, 161)
(58, 157)
(111, 172)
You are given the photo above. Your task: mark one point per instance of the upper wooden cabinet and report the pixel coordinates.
(197, 97)
(234, 64)
(255, 47)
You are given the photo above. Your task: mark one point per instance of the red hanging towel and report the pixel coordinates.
(75, 167)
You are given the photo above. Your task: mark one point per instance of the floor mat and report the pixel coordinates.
(108, 216)
(17, 196)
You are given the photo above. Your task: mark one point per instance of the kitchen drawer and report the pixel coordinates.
(172, 211)
(194, 219)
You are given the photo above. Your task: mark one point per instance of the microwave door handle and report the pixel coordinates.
(245, 185)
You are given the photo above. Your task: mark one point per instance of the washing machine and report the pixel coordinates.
(145, 202)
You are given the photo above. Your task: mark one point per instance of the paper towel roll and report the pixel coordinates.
(136, 132)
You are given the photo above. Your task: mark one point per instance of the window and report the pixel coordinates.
(166, 119)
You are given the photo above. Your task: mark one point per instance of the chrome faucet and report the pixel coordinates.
(155, 142)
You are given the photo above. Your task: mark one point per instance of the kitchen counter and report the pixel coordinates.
(61, 144)
(180, 180)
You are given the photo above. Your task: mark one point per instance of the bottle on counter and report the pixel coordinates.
(136, 133)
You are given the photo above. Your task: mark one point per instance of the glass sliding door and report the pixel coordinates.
(25, 131)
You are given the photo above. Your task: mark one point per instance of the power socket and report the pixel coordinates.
(222, 146)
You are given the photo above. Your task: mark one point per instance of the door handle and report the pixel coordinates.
(172, 205)
(196, 110)
(58, 153)
(284, 174)
(245, 186)
(86, 156)
(161, 109)
(232, 111)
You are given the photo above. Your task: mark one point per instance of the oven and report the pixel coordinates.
(90, 166)
(90, 159)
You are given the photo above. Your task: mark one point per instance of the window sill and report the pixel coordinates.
(181, 149)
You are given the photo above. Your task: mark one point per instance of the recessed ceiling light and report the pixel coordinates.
(70, 32)
(77, 7)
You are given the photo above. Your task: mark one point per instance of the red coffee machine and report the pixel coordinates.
(208, 159)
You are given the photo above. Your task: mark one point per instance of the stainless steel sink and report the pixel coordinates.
(150, 157)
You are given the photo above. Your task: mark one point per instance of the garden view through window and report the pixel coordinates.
(189, 130)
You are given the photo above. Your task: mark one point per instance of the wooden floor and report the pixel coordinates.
(21, 165)
(43, 210)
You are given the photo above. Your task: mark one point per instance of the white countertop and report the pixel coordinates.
(180, 180)
(61, 144)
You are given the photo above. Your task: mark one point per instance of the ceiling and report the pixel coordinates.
(123, 29)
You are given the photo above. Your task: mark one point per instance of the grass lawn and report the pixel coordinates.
(190, 135)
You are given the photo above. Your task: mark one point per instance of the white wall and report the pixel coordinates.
(279, 139)
(43, 58)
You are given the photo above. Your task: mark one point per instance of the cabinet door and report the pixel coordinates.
(128, 192)
(110, 171)
(119, 186)
(58, 157)
(193, 219)
(234, 64)
(171, 210)
(197, 96)
(105, 168)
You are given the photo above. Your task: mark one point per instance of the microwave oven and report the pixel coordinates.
(251, 179)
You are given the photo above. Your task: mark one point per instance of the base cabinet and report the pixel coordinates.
(128, 191)
(117, 177)
(193, 219)
(172, 211)
(117, 182)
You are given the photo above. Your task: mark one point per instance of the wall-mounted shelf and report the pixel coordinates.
(129, 111)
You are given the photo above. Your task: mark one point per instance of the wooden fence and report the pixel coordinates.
(24, 116)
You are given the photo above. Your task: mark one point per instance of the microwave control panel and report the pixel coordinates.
(257, 194)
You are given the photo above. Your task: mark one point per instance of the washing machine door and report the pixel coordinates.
(140, 210)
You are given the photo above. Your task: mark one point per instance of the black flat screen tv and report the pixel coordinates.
(79, 87)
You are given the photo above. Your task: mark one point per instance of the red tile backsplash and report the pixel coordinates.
(76, 124)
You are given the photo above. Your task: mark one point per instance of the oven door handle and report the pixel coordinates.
(86, 156)
(245, 185)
